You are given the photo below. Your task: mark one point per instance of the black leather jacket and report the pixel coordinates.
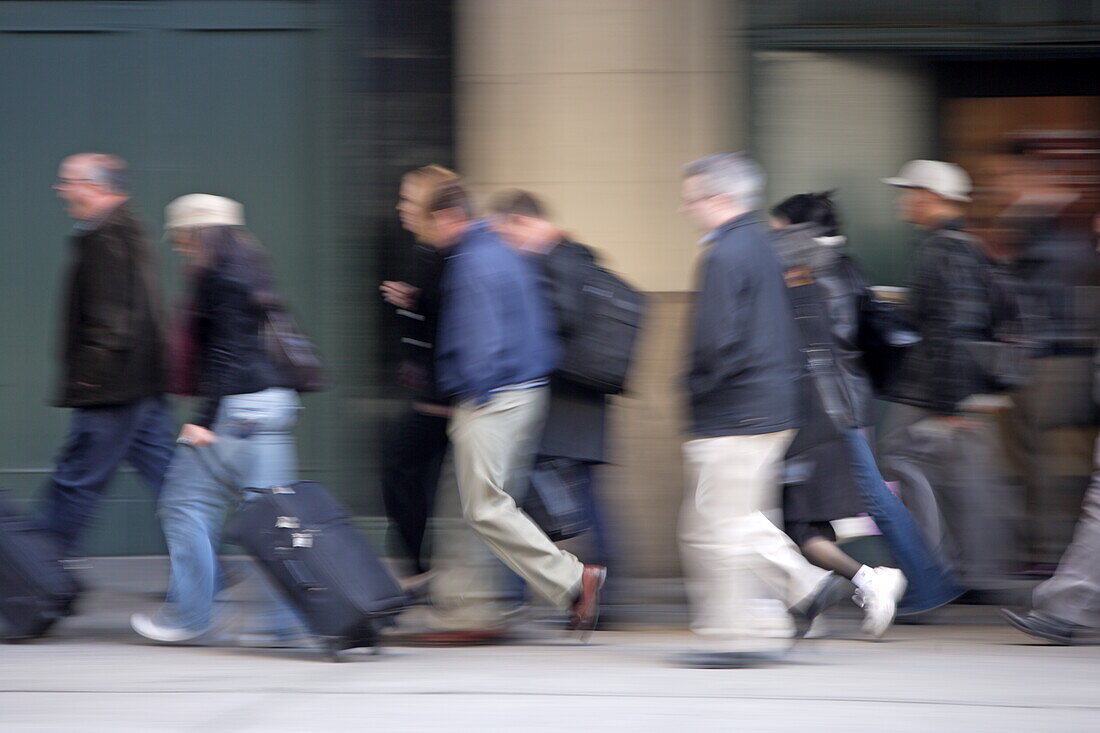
(949, 304)
(112, 329)
(845, 290)
(232, 358)
(842, 288)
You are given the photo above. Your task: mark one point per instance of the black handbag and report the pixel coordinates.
(555, 497)
(292, 351)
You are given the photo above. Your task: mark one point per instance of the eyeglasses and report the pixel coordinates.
(69, 181)
(697, 199)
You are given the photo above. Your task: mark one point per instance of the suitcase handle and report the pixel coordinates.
(295, 569)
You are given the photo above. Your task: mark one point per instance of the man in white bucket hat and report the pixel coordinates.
(942, 457)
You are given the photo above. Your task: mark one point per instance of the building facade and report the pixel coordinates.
(308, 112)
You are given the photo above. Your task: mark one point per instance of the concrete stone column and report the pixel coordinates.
(595, 105)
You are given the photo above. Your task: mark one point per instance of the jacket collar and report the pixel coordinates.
(87, 226)
(476, 230)
(746, 219)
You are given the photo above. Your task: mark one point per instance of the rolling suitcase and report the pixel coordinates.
(35, 587)
(302, 538)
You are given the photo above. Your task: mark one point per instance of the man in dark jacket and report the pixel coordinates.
(112, 349)
(415, 451)
(1066, 607)
(574, 435)
(942, 457)
(742, 384)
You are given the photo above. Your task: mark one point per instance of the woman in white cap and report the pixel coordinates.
(246, 411)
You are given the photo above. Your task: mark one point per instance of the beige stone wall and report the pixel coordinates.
(596, 105)
(644, 485)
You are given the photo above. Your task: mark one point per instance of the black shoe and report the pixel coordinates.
(1043, 626)
(827, 594)
(723, 660)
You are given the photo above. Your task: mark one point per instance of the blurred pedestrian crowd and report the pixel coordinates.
(516, 339)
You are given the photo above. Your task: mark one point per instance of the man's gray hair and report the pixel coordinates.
(730, 174)
(109, 171)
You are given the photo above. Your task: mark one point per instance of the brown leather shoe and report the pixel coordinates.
(465, 637)
(586, 611)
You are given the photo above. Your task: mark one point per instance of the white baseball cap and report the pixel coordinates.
(203, 210)
(943, 179)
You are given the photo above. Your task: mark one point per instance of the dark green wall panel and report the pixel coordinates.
(228, 98)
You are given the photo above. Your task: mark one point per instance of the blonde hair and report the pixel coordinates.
(433, 174)
(427, 178)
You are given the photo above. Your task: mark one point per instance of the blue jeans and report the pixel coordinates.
(598, 532)
(254, 447)
(100, 438)
(929, 584)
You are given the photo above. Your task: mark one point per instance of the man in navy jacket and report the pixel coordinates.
(742, 382)
(495, 352)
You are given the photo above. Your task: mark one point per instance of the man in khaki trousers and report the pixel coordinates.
(742, 382)
(495, 352)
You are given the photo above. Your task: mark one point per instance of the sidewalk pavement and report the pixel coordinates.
(964, 672)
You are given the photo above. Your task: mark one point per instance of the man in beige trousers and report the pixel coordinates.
(495, 352)
(742, 382)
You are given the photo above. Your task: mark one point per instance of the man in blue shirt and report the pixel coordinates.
(495, 351)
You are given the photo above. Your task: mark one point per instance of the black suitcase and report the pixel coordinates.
(302, 538)
(35, 587)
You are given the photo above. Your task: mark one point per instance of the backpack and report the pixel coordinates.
(598, 352)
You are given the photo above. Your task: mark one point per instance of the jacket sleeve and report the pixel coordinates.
(718, 318)
(106, 273)
(960, 315)
(845, 302)
(229, 313)
(425, 275)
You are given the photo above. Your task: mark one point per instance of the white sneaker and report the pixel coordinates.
(150, 629)
(879, 600)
